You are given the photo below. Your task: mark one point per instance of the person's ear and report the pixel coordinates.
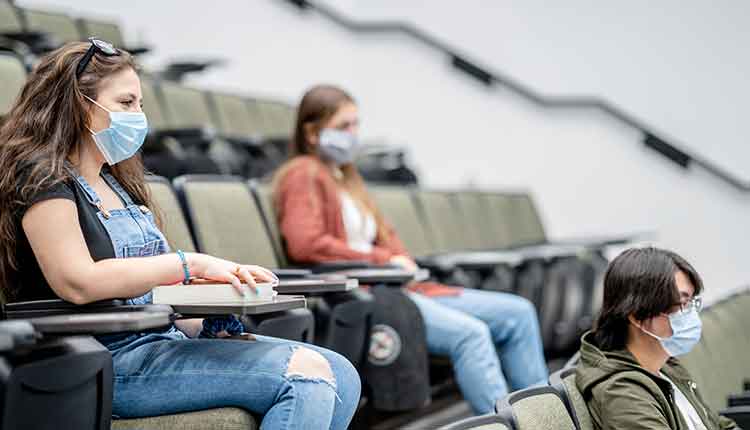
(91, 112)
(311, 134)
(634, 322)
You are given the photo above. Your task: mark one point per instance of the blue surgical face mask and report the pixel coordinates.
(338, 146)
(686, 332)
(124, 136)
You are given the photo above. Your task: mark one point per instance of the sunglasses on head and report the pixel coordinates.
(97, 46)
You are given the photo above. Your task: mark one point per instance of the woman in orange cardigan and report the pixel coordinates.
(325, 214)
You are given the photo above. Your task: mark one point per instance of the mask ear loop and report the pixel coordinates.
(659, 338)
(95, 102)
(101, 107)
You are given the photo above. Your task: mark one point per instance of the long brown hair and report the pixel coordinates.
(48, 123)
(318, 106)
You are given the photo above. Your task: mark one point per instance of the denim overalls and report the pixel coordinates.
(164, 372)
(133, 233)
(132, 230)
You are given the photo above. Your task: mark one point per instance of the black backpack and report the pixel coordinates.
(396, 370)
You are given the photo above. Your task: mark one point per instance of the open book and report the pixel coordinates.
(211, 294)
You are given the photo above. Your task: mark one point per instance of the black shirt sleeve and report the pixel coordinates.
(29, 281)
(61, 190)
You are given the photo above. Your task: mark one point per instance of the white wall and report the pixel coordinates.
(678, 67)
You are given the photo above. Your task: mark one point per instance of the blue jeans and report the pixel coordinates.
(166, 373)
(479, 331)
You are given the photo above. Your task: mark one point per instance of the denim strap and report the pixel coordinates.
(117, 188)
(91, 195)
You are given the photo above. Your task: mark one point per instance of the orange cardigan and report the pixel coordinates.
(308, 208)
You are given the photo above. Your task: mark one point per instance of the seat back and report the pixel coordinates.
(278, 118)
(186, 108)
(445, 223)
(233, 117)
(225, 219)
(699, 362)
(741, 311)
(173, 223)
(10, 21)
(539, 408)
(398, 206)
(105, 30)
(732, 346)
(13, 77)
(59, 25)
(152, 104)
(478, 222)
(264, 196)
(482, 422)
(564, 381)
(718, 364)
(499, 215)
(706, 365)
(525, 223)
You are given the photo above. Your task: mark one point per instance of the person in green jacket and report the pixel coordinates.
(628, 371)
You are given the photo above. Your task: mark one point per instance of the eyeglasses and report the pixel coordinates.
(694, 303)
(97, 45)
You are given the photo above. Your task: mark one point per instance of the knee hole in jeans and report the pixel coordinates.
(307, 363)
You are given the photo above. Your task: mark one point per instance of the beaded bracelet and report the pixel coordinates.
(185, 268)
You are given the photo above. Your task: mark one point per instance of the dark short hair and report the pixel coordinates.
(639, 282)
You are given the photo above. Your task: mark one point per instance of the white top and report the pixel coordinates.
(686, 408)
(361, 230)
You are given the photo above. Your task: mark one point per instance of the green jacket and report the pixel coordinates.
(622, 395)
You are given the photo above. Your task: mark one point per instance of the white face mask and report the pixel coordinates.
(686, 332)
(123, 138)
(338, 146)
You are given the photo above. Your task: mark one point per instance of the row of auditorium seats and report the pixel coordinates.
(223, 214)
(195, 131)
(192, 131)
(35, 31)
(718, 364)
(562, 281)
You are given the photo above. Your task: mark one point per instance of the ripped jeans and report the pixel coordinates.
(167, 373)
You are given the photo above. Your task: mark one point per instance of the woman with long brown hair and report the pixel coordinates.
(77, 223)
(326, 214)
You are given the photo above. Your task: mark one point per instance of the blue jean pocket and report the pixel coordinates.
(147, 250)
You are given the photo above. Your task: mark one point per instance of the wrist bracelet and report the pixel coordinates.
(185, 268)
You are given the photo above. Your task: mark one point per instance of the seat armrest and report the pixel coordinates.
(38, 42)
(741, 399)
(14, 334)
(335, 266)
(43, 308)
(137, 50)
(395, 277)
(548, 251)
(477, 260)
(183, 133)
(291, 273)
(96, 323)
(738, 414)
(58, 304)
(598, 242)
